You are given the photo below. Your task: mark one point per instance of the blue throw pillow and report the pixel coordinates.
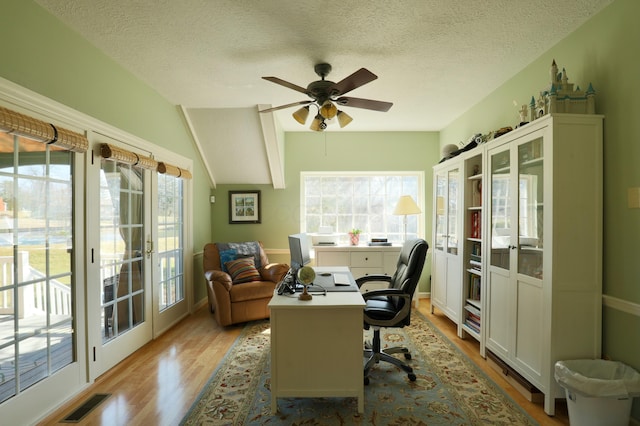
(227, 256)
(251, 248)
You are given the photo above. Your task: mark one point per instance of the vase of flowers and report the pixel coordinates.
(354, 236)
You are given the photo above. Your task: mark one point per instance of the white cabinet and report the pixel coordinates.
(361, 260)
(543, 223)
(473, 290)
(446, 272)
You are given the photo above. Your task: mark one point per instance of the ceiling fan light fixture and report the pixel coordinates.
(301, 115)
(344, 118)
(318, 124)
(328, 110)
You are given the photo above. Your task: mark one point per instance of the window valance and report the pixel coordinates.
(174, 170)
(128, 157)
(31, 128)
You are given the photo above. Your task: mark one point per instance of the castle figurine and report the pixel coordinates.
(561, 97)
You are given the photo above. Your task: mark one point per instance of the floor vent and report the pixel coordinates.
(85, 408)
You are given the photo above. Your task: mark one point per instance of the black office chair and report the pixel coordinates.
(391, 307)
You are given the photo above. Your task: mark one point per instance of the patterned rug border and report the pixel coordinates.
(413, 335)
(476, 368)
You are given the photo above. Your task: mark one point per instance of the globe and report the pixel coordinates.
(306, 275)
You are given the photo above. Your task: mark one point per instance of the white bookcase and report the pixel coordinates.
(528, 283)
(543, 271)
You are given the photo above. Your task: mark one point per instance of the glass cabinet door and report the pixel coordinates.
(441, 223)
(530, 208)
(500, 227)
(452, 211)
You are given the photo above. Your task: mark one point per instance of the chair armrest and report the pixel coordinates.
(220, 277)
(274, 272)
(374, 277)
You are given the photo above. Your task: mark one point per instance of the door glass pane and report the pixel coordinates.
(500, 210)
(441, 197)
(170, 242)
(530, 208)
(36, 236)
(452, 212)
(121, 247)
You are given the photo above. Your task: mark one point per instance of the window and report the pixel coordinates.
(36, 230)
(362, 200)
(170, 241)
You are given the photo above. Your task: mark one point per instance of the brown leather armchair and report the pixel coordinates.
(235, 303)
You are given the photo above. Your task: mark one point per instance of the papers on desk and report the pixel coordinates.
(341, 279)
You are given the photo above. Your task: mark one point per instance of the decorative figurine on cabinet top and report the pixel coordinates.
(561, 97)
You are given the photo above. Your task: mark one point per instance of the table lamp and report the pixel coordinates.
(406, 205)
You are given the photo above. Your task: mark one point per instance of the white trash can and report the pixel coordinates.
(599, 392)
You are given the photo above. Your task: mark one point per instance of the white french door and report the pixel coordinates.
(170, 302)
(136, 235)
(120, 235)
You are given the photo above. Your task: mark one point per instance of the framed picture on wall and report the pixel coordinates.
(244, 206)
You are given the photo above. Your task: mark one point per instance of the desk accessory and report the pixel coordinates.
(306, 275)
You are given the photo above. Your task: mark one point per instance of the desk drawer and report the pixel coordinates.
(332, 258)
(366, 259)
(361, 272)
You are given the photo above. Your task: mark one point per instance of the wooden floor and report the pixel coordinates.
(157, 384)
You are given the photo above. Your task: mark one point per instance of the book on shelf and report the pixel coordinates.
(473, 326)
(475, 224)
(473, 310)
(474, 318)
(476, 192)
(475, 283)
(474, 321)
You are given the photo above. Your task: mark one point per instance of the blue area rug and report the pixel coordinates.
(449, 390)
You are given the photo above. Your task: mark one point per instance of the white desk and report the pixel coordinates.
(316, 345)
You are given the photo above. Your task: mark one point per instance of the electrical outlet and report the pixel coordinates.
(212, 199)
(633, 198)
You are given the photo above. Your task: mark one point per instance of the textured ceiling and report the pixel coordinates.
(434, 58)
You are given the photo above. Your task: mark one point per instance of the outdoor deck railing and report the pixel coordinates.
(32, 297)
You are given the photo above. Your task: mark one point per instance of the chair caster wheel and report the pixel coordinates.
(366, 381)
(412, 377)
(407, 356)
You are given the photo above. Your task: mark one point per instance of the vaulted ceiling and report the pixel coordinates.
(433, 58)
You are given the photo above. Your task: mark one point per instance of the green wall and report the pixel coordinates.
(603, 52)
(328, 151)
(43, 55)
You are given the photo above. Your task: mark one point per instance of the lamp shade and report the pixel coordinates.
(301, 115)
(406, 205)
(316, 124)
(328, 110)
(344, 118)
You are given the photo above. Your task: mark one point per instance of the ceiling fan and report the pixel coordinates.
(326, 94)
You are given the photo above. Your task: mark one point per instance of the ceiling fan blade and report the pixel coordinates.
(286, 106)
(281, 82)
(355, 80)
(364, 103)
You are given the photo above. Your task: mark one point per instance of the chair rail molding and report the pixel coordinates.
(621, 305)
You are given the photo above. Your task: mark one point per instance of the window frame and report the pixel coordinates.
(390, 220)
